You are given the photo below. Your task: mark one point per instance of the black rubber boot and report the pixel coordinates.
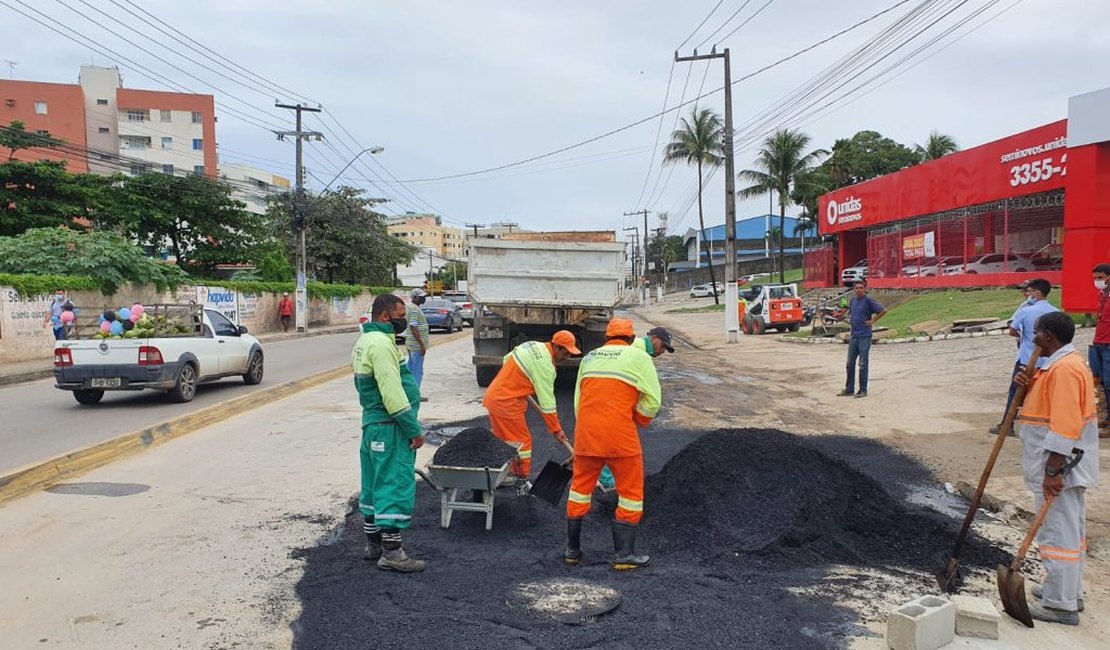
(373, 546)
(574, 542)
(394, 557)
(624, 543)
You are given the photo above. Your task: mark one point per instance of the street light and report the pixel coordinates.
(302, 252)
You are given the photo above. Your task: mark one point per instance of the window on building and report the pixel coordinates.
(167, 143)
(197, 117)
(198, 170)
(102, 102)
(40, 108)
(167, 169)
(166, 116)
(103, 129)
(198, 144)
(134, 142)
(139, 168)
(137, 115)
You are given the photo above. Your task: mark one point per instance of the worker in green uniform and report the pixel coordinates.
(391, 434)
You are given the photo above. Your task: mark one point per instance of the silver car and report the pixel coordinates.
(466, 307)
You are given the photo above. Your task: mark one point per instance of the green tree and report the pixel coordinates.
(700, 143)
(665, 250)
(937, 146)
(192, 217)
(346, 240)
(866, 155)
(15, 136)
(43, 194)
(781, 162)
(450, 273)
(107, 258)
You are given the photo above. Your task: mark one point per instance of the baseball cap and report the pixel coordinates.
(1024, 284)
(416, 293)
(285, 293)
(619, 327)
(565, 339)
(664, 336)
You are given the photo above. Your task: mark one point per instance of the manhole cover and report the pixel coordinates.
(567, 601)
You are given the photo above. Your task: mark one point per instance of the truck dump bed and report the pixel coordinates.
(561, 274)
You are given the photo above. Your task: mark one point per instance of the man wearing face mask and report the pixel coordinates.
(54, 314)
(1021, 328)
(391, 434)
(419, 334)
(1098, 354)
(657, 341)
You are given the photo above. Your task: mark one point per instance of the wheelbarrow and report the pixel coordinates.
(450, 481)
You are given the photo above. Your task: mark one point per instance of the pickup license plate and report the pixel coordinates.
(105, 382)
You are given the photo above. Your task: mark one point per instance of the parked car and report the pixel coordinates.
(852, 274)
(466, 307)
(920, 268)
(752, 276)
(952, 265)
(704, 291)
(999, 263)
(442, 314)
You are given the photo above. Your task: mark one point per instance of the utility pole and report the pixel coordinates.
(732, 318)
(640, 288)
(299, 204)
(475, 226)
(635, 230)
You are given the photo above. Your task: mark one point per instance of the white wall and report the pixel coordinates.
(101, 83)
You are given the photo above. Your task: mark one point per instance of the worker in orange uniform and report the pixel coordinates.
(528, 370)
(617, 391)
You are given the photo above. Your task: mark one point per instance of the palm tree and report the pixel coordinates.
(938, 146)
(780, 164)
(700, 142)
(805, 223)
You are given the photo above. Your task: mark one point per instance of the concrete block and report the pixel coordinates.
(925, 623)
(976, 617)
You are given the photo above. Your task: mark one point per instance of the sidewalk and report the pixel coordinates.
(19, 372)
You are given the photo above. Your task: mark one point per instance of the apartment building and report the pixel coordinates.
(426, 231)
(109, 129)
(253, 186)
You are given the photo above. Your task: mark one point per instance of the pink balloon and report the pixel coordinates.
(105, 327)
(135, 317)
(137, 311)
(67, 317)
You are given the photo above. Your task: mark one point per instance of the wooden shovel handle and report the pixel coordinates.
(532, 401)
(1003, 432)
(1028, 541)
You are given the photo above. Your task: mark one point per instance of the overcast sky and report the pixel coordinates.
(452, 87)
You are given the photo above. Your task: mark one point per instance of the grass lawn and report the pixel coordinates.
(698, 310)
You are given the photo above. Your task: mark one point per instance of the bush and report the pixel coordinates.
(315, 289)
(37, 285)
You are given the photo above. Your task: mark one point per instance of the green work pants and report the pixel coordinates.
(388, 476)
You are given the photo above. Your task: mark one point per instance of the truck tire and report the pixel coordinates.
(90, 396)
(747, 327)
(186, 387)
(758, 327)
(255, 369)
(485, 375)
(795, 327)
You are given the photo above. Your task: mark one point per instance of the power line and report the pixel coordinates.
(750, 19)
(723, 25)
(659, 129)
(701, 24)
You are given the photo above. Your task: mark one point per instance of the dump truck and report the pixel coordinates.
(527, 286)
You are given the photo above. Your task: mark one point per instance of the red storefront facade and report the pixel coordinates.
(1034, 204)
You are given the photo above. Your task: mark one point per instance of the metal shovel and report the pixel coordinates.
(553, 480)
(947, 567)
(1011, 583)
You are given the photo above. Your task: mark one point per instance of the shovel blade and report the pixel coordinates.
(1011, 589)
(552, 483)
(947, 572)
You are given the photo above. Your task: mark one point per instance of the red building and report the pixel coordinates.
(57, 109)
(1034, 204)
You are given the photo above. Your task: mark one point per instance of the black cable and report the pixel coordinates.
(701, 24)
(723, 25)
(750, 19)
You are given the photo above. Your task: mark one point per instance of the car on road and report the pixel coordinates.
(752, 276)
(466, 306)
(854, 273)
(706, 291)
(442, 314)
(210, 348)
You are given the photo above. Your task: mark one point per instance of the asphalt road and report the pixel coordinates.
(39, 421)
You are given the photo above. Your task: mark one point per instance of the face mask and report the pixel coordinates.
(1030, 300)
(58, 298)
(1100, 284)
(399, 325)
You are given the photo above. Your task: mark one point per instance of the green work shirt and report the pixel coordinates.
(386, 389)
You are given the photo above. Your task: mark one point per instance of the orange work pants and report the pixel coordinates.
(506, 418)
(628, 471)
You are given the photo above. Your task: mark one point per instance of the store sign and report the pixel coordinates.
(918, 246)
(1026, 163)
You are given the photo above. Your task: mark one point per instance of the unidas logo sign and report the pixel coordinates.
(846, 211)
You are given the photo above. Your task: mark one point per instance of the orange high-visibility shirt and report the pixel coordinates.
(1061, 397)
(513, 386)
(618, 389)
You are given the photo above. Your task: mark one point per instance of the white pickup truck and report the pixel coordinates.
(214, 349)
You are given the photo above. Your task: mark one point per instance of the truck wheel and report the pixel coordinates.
(758, 327)
(485, 375)
(794, 328)
(748, 326)
(780, 328)
(92, 396)
(186, 387)
(255, 368)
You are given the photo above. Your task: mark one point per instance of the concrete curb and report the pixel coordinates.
(47, 473)
(902, 339)
(48, 372)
